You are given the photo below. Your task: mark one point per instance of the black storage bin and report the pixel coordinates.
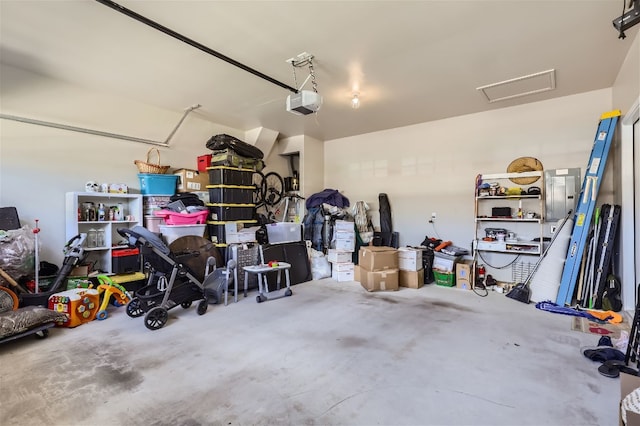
(223, 175)
(125, 261)
(231, 211)
(230, 194)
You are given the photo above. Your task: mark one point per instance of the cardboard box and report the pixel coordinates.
(445, 262)
(118, 188)
(342, 271)
(235, 233)
(411, 279)
(344, 241)
(379, 280)
(409, 259)
(343, 225)
(465, 275)
(378, 258)
(339, 256)
(628, 384)
(80, 271)
(191, 180)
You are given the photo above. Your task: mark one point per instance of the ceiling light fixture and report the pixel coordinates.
(355, 101)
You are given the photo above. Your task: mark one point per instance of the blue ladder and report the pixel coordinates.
(586, 205)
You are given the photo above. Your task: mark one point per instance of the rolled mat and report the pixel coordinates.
(545, 283)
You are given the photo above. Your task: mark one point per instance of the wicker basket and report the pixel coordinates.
(147, 167)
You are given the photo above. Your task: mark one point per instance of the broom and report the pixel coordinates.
(521, 292)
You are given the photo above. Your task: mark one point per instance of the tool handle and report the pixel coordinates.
(11, 281)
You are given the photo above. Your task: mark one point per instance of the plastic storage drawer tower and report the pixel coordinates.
(231, 199)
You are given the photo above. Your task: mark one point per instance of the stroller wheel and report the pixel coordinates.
(156, 318)
(186, 305)
(133, 308)
(288, 293)
(259, 299)
(202, 307)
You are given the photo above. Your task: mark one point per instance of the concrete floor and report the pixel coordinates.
(330, 354)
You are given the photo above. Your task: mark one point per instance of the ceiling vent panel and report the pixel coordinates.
(520, 86)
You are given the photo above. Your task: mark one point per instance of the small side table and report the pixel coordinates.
(263, 287)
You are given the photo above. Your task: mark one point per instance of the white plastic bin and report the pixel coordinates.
(173, 232)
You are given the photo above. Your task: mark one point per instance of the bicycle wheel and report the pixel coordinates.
(259, 188)
(274, 188)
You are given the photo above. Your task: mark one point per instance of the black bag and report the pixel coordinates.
(187, 198)
(223, 141)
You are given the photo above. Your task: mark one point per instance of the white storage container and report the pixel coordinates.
(284, 232)
(173, 232)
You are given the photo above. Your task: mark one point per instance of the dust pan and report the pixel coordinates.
(521, 292)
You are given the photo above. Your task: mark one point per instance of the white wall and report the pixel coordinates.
(431, 167)
(626, 96)
(39, 164)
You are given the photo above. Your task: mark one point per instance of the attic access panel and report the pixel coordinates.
(520, 86)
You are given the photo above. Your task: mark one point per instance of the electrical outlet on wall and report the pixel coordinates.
(553, 229)
(433, 217)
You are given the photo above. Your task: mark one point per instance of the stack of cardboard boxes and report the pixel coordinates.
(377, 268)
(465, 275)
(411, 267)
(341, 255)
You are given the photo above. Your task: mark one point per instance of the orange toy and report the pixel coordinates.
(80, 305)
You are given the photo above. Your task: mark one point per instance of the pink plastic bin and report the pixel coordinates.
(173, 218)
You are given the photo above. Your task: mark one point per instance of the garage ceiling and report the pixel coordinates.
(410, 61)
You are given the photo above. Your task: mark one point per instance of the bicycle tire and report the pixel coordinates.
(260, 188)
(274, 188)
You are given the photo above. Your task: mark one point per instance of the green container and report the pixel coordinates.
(446, 279)
(78, 282)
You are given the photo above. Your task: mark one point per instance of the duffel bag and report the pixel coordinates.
(223, 141)
(230, 158)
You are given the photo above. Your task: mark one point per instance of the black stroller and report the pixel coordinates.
(170, 283)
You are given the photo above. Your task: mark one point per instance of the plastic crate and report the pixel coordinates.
(446, 279)
(156, 184)
(223, 175)
(230, 194)
(216, 229)
(231, 211)
(125, 261)
(204, 161)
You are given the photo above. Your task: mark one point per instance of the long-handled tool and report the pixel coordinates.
(36, 231)
(521, 292)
